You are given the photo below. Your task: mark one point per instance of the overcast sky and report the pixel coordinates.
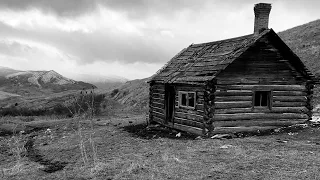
(129, 38)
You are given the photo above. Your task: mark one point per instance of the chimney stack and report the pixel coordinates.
(261, 21)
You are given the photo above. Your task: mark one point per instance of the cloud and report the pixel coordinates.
(127, 34)
(59, 7)
(133, 8)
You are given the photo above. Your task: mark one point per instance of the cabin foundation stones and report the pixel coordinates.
(244, 84)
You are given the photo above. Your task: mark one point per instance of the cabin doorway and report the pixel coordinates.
(170, 96)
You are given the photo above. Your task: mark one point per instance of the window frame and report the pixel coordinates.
(269, 100)
(187, 99)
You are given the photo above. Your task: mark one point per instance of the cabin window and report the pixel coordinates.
(187, 99)
(262, 99)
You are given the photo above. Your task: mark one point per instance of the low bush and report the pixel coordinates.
(78, 104)
(114, 92)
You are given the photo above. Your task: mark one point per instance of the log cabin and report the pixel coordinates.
(248, 83)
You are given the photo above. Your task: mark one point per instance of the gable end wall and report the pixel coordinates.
(261, 67)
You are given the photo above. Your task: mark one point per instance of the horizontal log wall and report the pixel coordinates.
(185, 119)
(261, 68)
(189, 119)
(156, 103)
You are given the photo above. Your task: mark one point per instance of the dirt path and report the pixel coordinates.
(34, 155)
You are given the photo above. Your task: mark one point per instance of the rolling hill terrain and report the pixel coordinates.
(106, 82)
(133, 94)
(29, 83)
(304, 40)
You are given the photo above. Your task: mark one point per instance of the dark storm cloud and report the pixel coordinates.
(59, 7)
(106, 46)
(93, 47)
(133, 8)
(142, 8)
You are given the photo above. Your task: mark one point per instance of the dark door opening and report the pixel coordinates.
(170, 97)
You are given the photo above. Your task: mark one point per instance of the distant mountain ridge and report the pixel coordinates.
(42, 77)
(107, 82)
(37, 82)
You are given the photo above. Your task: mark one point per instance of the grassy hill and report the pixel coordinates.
(133, 94)
(304, 40)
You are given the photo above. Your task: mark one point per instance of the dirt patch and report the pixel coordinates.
(156, 131)
(33, 154)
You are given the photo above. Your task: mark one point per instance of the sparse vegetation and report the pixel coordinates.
(66, 109)
(114, 92)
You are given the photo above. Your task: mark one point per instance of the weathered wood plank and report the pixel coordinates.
(193, 117)
(158, 95)
(160, 91)
(233, 93)
(199, 96)
(232, 98)
(159, 110)
(200, 100)
(188, 122)
(270, 87)
(189, 129)
(249, 116)
(267, 122)
(157, 86)
(199, 106)
(239, 129)
(235, 104)
(273, 110)
(289, 93)
(157, 114)
(158, 105)
(200, 93)
(189, 111)
(158, 100)
(158, 120)
(189, 88)
(290, 98)
(288, 104)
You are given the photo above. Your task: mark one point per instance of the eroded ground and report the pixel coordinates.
(126, 150)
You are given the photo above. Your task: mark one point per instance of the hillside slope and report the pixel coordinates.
(304, 40)
(37, 82)
(133, 94)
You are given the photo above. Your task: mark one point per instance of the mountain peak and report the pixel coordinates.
(31, 82)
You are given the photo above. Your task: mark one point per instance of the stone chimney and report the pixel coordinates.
(261, 13)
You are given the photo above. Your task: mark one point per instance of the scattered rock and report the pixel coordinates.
(281, 141)
(277, 130)
(178, 135)
(222, 136)
(291, 134)
(226, 146)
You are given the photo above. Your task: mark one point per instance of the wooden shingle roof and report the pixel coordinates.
(199, 63)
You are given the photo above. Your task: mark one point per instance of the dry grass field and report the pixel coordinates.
(125, 149)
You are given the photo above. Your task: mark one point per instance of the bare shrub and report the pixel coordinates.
(83, 108)
(16, 147)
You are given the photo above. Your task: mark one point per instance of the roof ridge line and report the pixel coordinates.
(220, 41)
